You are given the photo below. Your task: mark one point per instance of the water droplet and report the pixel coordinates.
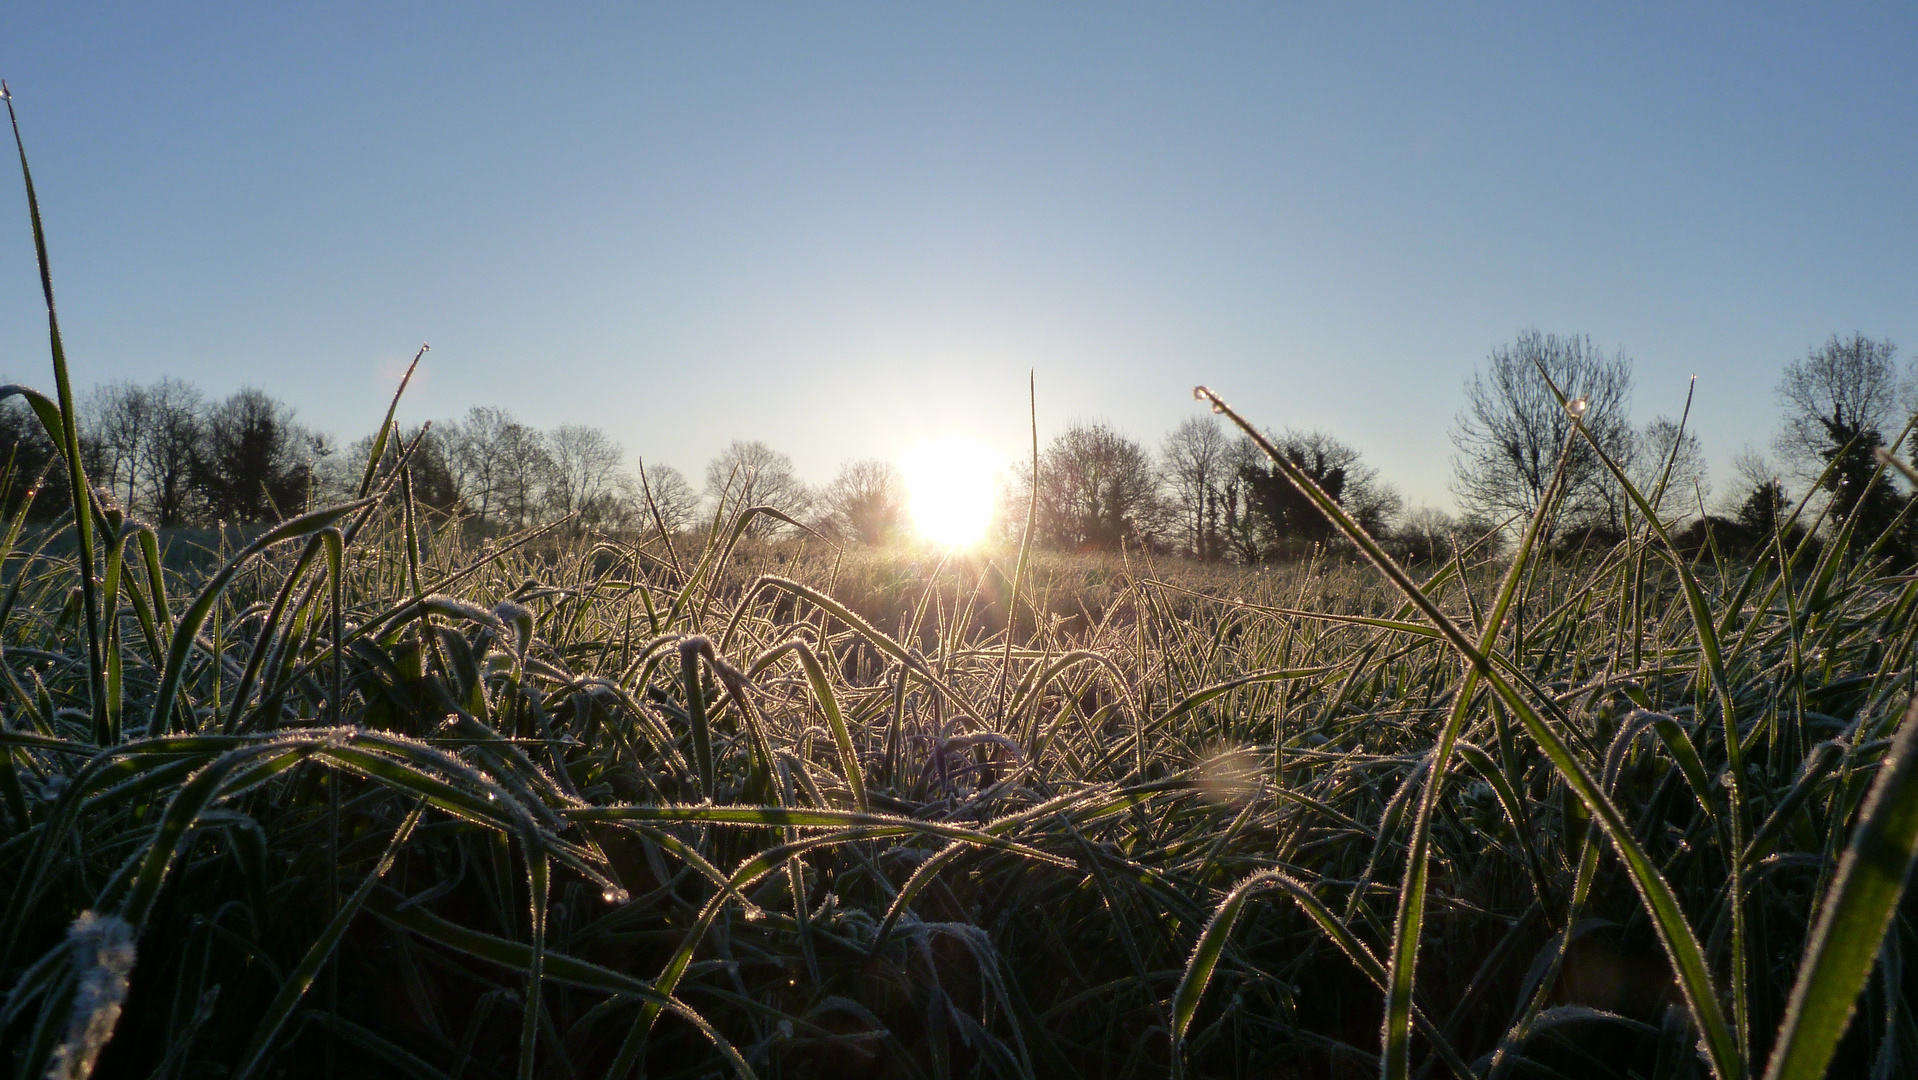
(1218, 407)
(615, 895)
(1577, 406)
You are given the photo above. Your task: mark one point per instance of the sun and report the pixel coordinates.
(950, 489)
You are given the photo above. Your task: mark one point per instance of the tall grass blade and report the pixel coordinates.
(1205, 956)
(1675, 933)
(1706, 629)
(537, 878)
(835, 721)
(1025, 543)
(68, 441)
(385, 432)
(190, 622)
(300, 979)
(1854, 914)
(696, 719)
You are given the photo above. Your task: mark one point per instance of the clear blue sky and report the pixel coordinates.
(842, 228)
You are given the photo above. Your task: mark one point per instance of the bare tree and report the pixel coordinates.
(673, 499)
(1427, 534)
(1841, 389)
(1096, 489)
(116, 424)
(582, 474)
(174, 425)
(867, 501)
(1512, 430)
(750, 473)
(1840, 401)
(523, 465)
(1195, 462)
(1682, 490)
(501, 464)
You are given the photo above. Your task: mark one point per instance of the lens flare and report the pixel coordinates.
(949, 486)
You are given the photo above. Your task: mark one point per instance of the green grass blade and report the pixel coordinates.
(69, 444)
(300, 979)
(696, 719)
(1025, 545)
(537, 878)
(269, 630)
(385, 432)
(1206, 953)
(1675, 933)
(336, 579)
(805, 817)
(202, 606)
(1818, 764)
(1854, 916)
(835, 721)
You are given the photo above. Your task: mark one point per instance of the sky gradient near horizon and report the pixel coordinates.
(844, 229)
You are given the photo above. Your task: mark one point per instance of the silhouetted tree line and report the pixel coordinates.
(167, 453)
(1205, 494)
(1843, 404)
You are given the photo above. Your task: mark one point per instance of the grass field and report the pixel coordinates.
(368, 802)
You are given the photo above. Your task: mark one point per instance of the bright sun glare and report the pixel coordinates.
(950, 485)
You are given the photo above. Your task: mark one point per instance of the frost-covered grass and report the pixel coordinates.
(367, 802)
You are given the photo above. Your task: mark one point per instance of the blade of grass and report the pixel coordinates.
(828, 703)
(300, 979)
(190, 622)
(69, 444)
(1668, 919)
(386, 427)
(1854, 915)
(537, 871)
(1025, 546)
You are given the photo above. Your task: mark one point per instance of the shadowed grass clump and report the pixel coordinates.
(364, 801)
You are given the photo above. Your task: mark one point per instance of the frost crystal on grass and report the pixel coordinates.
(101, 947)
